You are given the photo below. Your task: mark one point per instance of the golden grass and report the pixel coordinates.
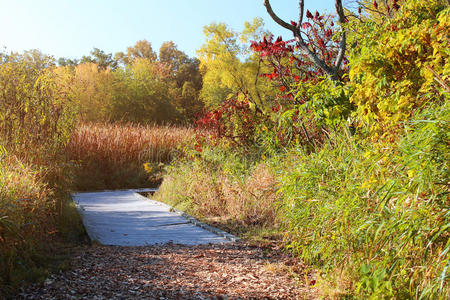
(208, 193)
(27, 216)
(113, 155)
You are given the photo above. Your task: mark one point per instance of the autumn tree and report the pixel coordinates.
(34, 58)
(142, 49)
(142, 95)
(230, 68)
(185, 77)
(302, 102)
(63, 62)
(36, 111)
(92, 89)
(102, 59)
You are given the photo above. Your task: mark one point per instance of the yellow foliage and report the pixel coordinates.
(92, 91)
(229, 67)
(401, 65)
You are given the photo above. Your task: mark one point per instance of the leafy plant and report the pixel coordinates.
(374, 216)
(400, 65)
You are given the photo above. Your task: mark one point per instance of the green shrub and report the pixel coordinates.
(377, 219)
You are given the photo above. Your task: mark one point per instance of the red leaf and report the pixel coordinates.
(309, 14)
(282, 88)
(375, 4)
(321, 43)
(294, 23)
(306, 25)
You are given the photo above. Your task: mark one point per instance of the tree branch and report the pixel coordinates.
(301, 7)
(332, 71)
(277, 19)
(343, 42)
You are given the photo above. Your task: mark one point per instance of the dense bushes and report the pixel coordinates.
(401, 64)
(367, 217)
(35, 110)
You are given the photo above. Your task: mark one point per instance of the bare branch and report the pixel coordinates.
(343, 42)
(439, 79)
(317, 61)
(276, 18)
(301, 7)
(332, 71)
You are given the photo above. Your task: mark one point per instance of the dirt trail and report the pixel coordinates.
(207, 266)
(221, 271)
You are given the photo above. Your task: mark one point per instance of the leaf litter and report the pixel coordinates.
(171, 271)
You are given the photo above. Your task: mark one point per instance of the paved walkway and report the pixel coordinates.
(126, 218)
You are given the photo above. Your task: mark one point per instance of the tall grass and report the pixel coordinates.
(111, 156)
(27, 216)
(36, 118)
(220, 186)
(375, 220)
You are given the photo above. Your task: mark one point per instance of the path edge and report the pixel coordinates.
(196, 222)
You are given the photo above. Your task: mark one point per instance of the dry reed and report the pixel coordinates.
(209, 193)
(113, 155)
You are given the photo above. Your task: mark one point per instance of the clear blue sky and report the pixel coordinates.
(72, 28)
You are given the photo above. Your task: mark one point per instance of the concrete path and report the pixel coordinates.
(125, 218)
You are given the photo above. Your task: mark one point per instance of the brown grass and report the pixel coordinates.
(113, 155)
(208, 193)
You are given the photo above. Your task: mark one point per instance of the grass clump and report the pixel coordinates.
(224, 189)
(24, 205)
(30, 224)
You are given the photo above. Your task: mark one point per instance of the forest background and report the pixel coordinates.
(334, 143)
